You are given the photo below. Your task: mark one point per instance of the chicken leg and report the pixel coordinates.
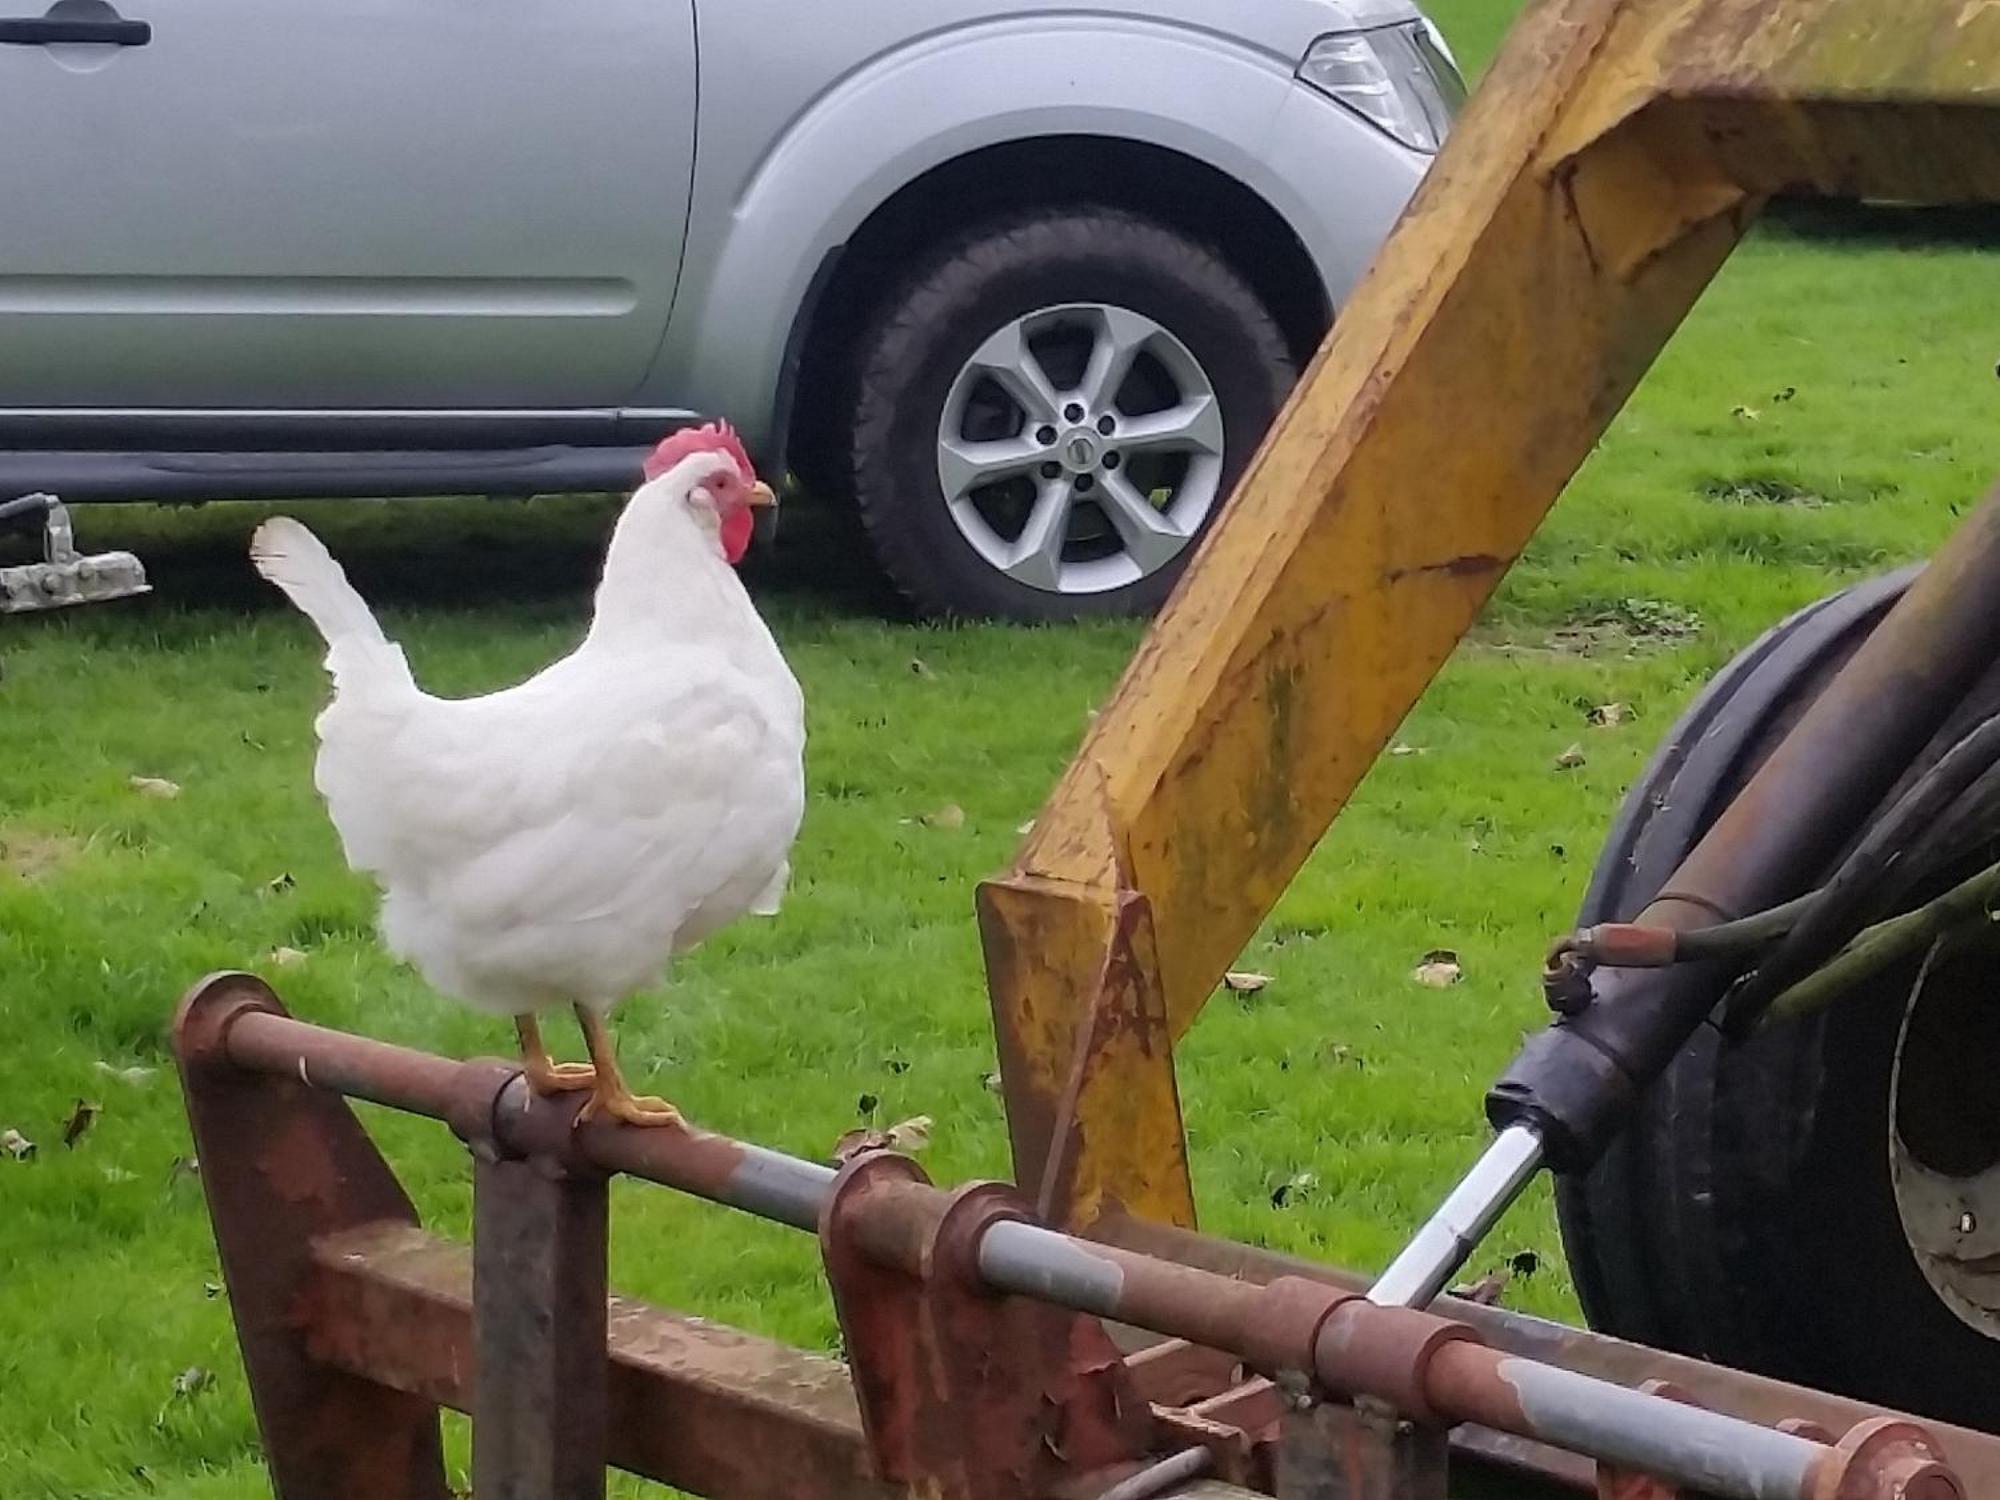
(545, 1075)
(610, 1096)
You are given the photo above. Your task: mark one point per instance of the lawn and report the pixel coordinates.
(1828, 410)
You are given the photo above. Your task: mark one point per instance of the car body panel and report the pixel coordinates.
(923, 84)
(384, 203)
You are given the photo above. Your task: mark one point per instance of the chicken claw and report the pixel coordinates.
(546, 1076)
(632, 1109)
(610, 1096)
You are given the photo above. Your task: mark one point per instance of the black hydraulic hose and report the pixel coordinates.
(1840, 906)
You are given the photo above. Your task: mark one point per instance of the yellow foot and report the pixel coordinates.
(633, 1109)
(546, 1077)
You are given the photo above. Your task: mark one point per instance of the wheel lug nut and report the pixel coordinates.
(1045, 435)
(1107, 425)
(1050, 471)
(1084, 483)
(1073, 412)
(1111, 460)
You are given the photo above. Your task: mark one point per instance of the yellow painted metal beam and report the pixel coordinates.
(1613, 157)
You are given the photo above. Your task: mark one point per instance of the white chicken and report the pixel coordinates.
(557, 843)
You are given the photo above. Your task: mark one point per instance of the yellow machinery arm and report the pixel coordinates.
(1615, 154)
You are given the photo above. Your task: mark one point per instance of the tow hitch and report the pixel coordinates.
(65, 576)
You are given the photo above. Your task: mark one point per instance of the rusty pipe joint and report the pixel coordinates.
(1885, 1458)
(1283, 1328)
(1386, 1352)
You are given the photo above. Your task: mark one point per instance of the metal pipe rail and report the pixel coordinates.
(1433, 1370)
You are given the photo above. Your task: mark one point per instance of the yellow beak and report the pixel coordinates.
(762, 496)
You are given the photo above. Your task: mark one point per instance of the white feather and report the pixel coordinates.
(559, 841)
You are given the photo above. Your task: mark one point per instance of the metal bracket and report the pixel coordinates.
(1332, 1451)
(283, 1164)
(65, 576)
(966, 1395)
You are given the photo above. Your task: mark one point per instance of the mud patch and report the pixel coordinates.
(29, 856)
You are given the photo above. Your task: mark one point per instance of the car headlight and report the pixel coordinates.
(1401, 79)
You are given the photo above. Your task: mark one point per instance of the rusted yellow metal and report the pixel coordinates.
(1614, 156)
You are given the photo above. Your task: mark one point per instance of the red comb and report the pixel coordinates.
(715, 437)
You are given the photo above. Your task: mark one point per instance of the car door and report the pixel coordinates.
(357, 204)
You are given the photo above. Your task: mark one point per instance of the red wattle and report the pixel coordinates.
(736, 529)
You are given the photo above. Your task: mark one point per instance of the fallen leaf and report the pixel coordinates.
(1485, 1291)
(282, 881)
(1292, 1189)
(1570, 759)
(134, 1075)
(211, 1289)
(920, 668)
(16, 1145)
(951, 815)
(1242, 982)
(1440, 969)
(183, 1166)
(155, 786)
(287, 958)
(80, 1120)
(912, 1134)
(1340, 1054)
(1746, 413)
(1400, 748)
(992, 1083)
(192, 1381)
(1027, 827)
(1609, 715)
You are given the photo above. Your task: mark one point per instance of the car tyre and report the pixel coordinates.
(1072, 292)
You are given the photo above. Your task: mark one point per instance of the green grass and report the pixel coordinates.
(1694, 526)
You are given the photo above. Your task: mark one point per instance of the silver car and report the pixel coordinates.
(1023, 282)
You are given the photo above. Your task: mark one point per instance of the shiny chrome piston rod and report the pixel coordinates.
(1427, 1264)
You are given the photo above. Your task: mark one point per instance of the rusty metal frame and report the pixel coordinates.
(1615, 154)
(983, 1359)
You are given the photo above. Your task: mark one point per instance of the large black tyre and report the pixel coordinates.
(1013, 268)
(1748, 1214)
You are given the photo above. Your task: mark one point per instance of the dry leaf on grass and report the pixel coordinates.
(1485, 1291)
(155, 786)
(1570, 759)
(1609, 715)
(79, 1122)
(919, 668)
(1440, 969)
(908, 1135)
(287, 958)
(1401, 749)
(951, 815)
(183, 1166)
(1242, 982)
(192, 1381)
(1292, 1189)
(134, 1075)
(1025, 828)
(16, 1145)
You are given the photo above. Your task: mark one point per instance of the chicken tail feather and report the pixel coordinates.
(290, 556)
